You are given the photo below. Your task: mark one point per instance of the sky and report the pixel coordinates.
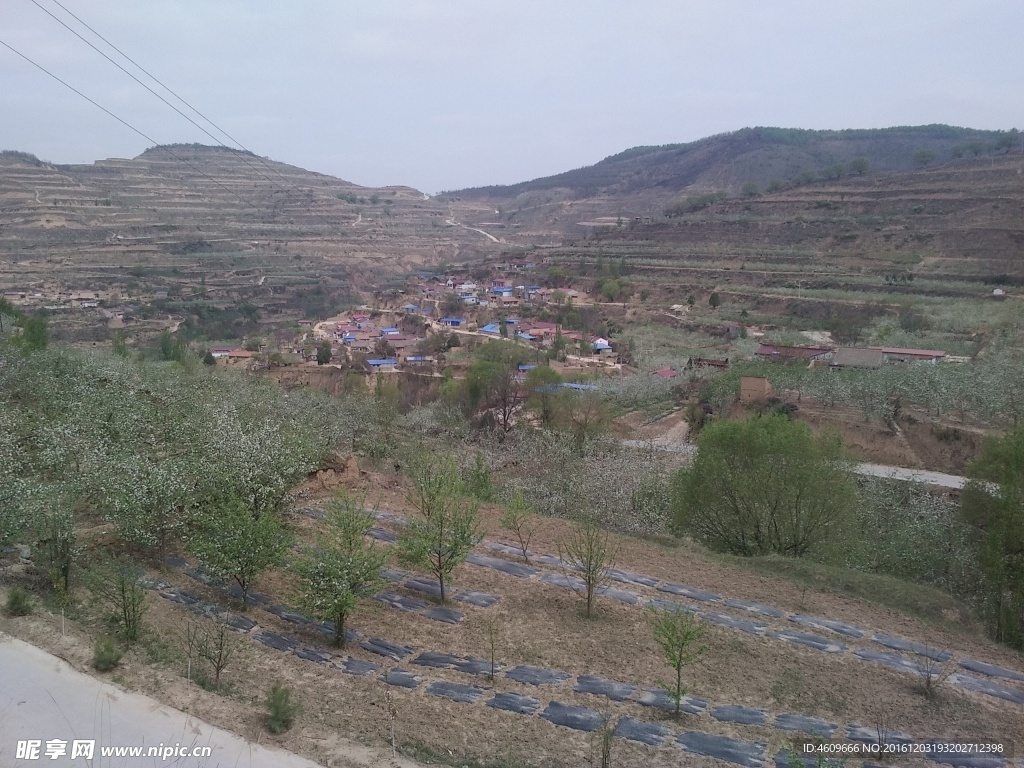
(446, 94)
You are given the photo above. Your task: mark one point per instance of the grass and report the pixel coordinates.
(18, 603)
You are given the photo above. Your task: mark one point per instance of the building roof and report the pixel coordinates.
(377, 363)
(795, 353)
(923, 353)
(857, 357)
(666, 373)
(490, 328)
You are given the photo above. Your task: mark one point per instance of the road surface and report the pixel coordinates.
(43, 698)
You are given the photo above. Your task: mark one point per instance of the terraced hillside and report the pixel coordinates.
(74, 221)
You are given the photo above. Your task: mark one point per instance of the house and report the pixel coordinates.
(754, 389)
(901, 355)
(221, 352)
(411, 307)
(240, 355)
(453, 322)
(602, 347)
(857, 357)
(792, 354)
(491, 328)
(508, 300)
(382, 366)
(419, 360)
(389, 332)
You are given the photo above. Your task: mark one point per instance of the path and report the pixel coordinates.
(453, 223)
(45, 698)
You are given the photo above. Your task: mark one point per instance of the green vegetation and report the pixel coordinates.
(281, 708)
(343, 568)
(678, 634)
(779, 489)
(117, 586)
(236, 542)
(106, 653)
(18, 603)
(993, 505)
(448, 527)
(588, 553)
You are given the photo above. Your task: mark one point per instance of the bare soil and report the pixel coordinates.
(542, 625)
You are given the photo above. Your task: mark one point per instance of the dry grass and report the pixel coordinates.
(544, 625)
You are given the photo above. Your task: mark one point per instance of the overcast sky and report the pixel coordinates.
(443, 94)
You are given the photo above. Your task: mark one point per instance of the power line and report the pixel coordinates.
(137, 80)
(173, 93)
(146, 72)
(126, 124)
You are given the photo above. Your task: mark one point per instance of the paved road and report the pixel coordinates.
(42, 697)
(873, 470)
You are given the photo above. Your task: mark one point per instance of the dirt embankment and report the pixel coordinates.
(329, 379)
(919, 443)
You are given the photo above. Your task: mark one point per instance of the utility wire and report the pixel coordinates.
(128, 125)
(137, 80)
(148, 74)
(167, 88)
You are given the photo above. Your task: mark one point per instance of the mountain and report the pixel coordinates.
(757, 156)
(183, 199)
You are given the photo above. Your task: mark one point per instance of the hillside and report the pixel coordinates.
(80, 222)
(758, 156)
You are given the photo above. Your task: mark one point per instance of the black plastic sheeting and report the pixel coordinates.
(738, 751)
(514, 702)
(817, 642)
(731, 713)
(537, 675)
(519, 570)
(690, 592)
(386, 649)
(600, 687)
(652, 734)
(569, 716)
(1000, 691)
(359, 667)
(817, 622)
(868, 735)
(467, 694)
(992, 670)
(735, 622)
(899, 644)
(659, 699)
(803, 724)
(402, 678)
(755, 607)
(276, 641)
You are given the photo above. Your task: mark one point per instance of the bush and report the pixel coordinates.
(18, 603)
(106, 654)
(281, 710)
(778, 488)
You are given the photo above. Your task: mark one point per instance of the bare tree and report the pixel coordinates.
(678, 634)
(587, 555)
(520, 519)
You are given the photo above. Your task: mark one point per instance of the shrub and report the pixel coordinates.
(281, 709)
(106, 653)
(18, 603)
